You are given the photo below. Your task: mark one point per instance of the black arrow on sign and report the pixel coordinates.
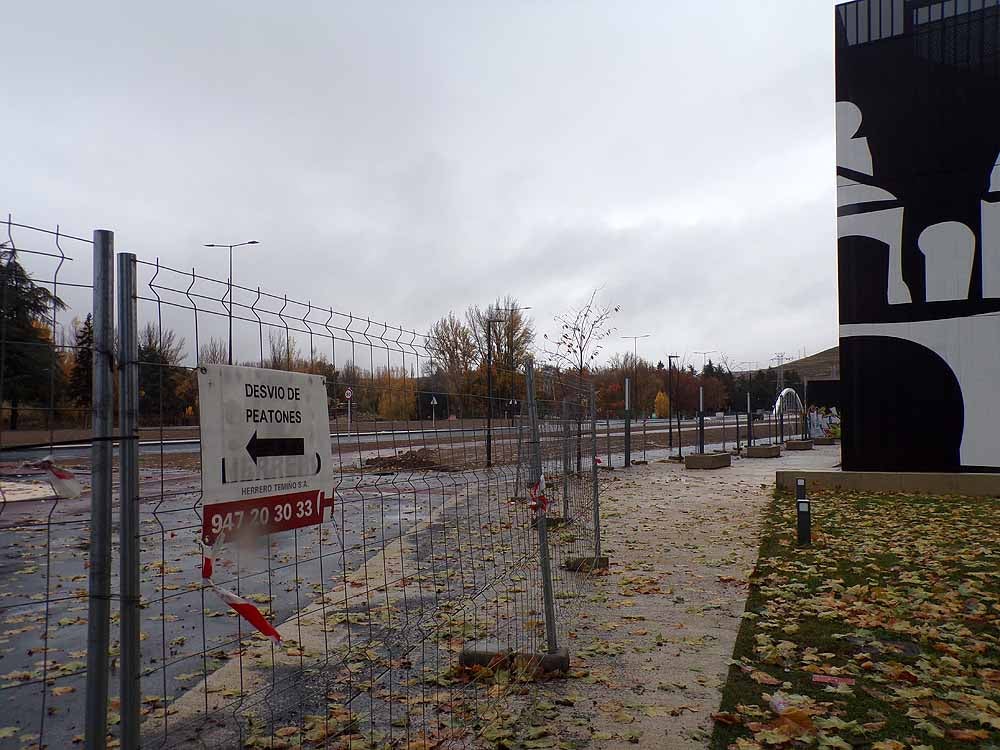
(264, 447)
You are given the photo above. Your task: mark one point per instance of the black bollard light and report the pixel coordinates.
(803, 514)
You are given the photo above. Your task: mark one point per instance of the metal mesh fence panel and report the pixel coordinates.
(425, 553)
(449, 561)
(45, 430)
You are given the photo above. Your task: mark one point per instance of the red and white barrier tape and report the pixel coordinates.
(241, 606)
(63, 482)
(538, 499)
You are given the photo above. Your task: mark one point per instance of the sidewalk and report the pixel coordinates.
(653, 644)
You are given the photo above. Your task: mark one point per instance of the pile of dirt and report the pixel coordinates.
(423, 458)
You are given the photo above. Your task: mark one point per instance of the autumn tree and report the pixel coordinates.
(715, 395)
(504, 329)
(662, 404)
(512, 334)
(397, 395)
(453, 354)
(645, 378)
(29, 361)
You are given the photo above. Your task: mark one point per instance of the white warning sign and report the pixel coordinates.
(266, 456)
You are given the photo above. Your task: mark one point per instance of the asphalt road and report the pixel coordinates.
(186, 630)
(401, 438)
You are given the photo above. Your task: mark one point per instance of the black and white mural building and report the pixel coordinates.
(918, 207)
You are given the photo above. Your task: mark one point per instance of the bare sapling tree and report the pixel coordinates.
(215, 352)
(578, 343)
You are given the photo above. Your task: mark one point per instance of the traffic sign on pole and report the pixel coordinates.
(265, 450)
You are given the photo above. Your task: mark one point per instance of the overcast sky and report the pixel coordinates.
(404, 159)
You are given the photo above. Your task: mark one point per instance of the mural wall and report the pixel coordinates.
(918, 206)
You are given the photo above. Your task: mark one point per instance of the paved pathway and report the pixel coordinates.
(653, 645)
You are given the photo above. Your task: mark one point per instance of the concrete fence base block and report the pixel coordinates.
(639, 463)
(798, 445)
(551, 522)
(586, 564)
(557, 662)
(708, 461)
(824, 441)
(763, 451)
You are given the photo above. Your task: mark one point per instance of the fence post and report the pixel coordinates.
(628, 423)
(593, 473)
(607, 429)
(597, 562)
(701, 420)
(520, 442)
(128, 477)
(680, 438)
(101, 453)
(643, 438)
(541, 519)
(566, 438)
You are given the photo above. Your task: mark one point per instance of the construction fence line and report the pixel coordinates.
(423, 589)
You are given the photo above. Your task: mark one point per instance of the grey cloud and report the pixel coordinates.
(404, 159)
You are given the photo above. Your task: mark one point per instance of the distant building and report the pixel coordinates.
(820, 375)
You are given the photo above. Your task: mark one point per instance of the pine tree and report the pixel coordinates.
(28, 352)
(82, 374)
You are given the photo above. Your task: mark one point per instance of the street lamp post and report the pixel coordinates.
(489, 389)
(635, 354)
(736, 407)
(750, 366)
(670, 407)
(230, 305)
(629, 397)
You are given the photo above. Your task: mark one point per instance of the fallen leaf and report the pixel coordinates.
(764, 678)
(968, 735)
(724, 717)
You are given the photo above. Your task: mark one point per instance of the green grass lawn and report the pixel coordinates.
(884, 634)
